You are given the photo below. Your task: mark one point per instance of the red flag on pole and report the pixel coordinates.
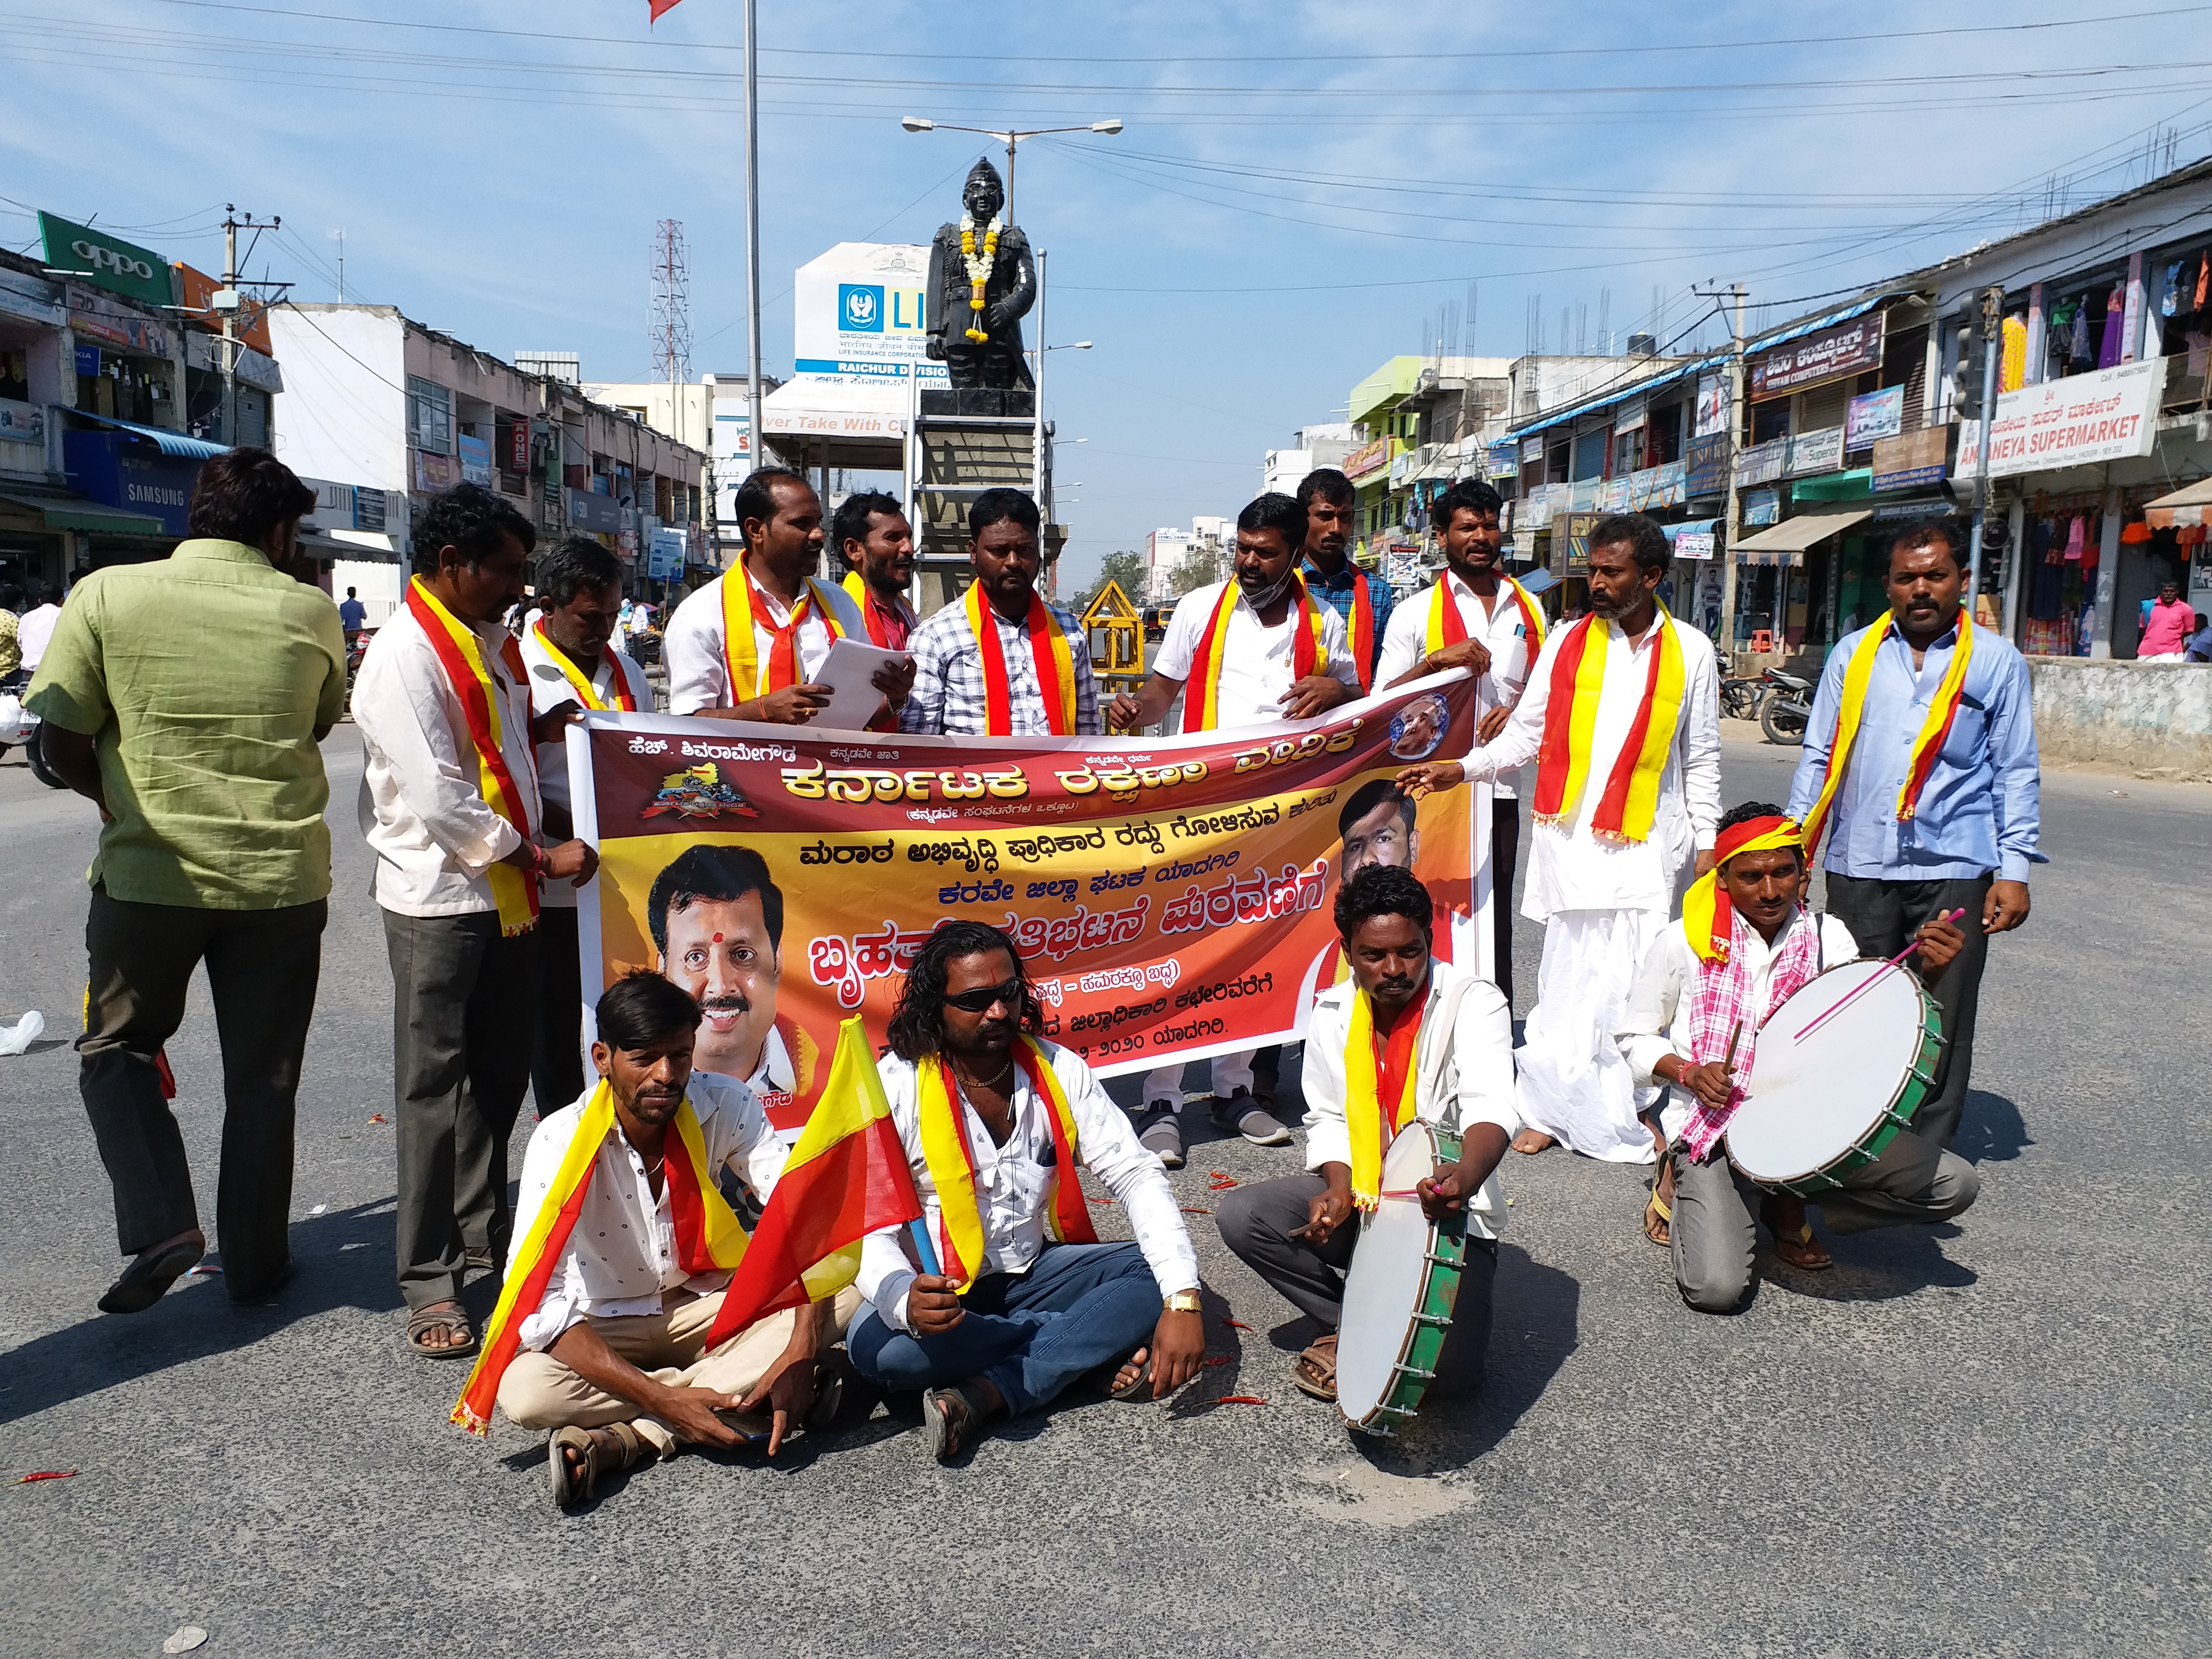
(659, 6)
(847, 1177)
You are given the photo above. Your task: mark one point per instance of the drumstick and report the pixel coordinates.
(1735, 1037)
(1819, 1020)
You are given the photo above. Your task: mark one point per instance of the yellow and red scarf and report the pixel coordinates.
(1056, 667)
(1201, 697)
(619, 697)
(870, 608)
(1630, 802)
(952, 1162)
(1942, 709)
(708, 1237)
(1378, 1067)
(749, 677)
(1447, 627)
(1707, 915)
(1359, 626)
(461, 654)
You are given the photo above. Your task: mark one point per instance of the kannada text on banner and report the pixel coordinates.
(1171, 898)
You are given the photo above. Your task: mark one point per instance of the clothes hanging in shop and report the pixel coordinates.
(2109, 346)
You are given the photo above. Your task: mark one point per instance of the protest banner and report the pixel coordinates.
(1171, 896)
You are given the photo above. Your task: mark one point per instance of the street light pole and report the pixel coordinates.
(923, 123)
(753, 437)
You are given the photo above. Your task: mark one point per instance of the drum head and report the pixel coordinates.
(1383, 1287)
(1811, 1102)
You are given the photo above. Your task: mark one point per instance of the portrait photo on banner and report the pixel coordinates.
(1168, 896)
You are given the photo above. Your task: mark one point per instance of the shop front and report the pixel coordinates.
(146, 474)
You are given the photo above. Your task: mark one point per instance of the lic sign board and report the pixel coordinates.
(858, 314)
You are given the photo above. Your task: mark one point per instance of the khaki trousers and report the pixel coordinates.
(539, 1392)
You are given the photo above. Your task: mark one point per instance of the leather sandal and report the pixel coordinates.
(569, 1487)
(1314, 1371)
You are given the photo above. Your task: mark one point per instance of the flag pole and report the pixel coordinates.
(752, 230)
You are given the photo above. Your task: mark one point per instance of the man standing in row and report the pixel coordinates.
(573, 664)
(1364, 602)
(875, 540)
(1921, 747)
(1002, 663)
(750, 645)
(449, 805)
(1475, 616)
(1254, 650)
(212, 848)
(1622, 714)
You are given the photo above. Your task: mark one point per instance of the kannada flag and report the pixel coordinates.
(847, 1177)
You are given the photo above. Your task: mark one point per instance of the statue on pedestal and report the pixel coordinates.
(982, 283)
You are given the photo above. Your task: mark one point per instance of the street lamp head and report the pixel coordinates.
(1082, 345)
(1114, 125)
(917, 123)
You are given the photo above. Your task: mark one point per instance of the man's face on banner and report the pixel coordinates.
(1381, 837)
(719, 952)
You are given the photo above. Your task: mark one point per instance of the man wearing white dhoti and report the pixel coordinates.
(1622, 715)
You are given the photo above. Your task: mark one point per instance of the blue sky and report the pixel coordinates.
(1300, 193)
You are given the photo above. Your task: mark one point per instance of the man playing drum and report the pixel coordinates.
(1366, 1059)
(1744, 944)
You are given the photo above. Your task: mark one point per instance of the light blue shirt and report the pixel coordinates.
(1977, 811)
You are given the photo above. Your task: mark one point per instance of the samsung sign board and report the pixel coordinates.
(859, 312)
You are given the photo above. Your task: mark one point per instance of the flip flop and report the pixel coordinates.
(148, 1278)
(1658, 1218)
(1140, 1386)
(422, 1321)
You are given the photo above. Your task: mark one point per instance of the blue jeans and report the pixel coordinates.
(1079, 1307)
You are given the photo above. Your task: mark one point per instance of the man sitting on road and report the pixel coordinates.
(601, 1331)
(1743, 944)
(1406, 1037)
(1022, 1299)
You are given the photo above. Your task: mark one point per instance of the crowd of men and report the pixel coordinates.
(1666, 920)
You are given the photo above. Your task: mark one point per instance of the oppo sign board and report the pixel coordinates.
(859, 312)
(104, 261)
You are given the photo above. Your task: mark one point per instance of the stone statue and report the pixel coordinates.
(980, 348)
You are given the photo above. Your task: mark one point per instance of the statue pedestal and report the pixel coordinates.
(940, 403)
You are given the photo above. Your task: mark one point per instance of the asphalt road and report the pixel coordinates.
(1985, 1439)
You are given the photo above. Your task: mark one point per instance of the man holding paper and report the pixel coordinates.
(1002, 663)
(753, 644)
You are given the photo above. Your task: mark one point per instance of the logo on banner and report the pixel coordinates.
(699, 793)
(860, 307)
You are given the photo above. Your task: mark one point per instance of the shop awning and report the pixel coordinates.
(1691, 526)
(179, 444)
(76, 512)
(2184, 505)
(1795, 535)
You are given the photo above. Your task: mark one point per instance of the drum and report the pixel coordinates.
(1399, 1294)
(1825, 1105)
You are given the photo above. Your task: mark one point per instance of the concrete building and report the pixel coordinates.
(1312, 447)
(380, 399)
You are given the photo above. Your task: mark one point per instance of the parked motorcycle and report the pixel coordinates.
(18, 725)
(1787, 707)
(1740, 698)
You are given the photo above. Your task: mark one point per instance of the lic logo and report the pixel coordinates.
(859, 308)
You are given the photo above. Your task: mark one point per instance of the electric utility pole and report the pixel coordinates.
(1974, 394)
(226, 304)
(1734, 523)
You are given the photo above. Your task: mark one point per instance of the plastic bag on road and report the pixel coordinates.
(17, 1038)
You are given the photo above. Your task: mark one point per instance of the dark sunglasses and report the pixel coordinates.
(983, 997)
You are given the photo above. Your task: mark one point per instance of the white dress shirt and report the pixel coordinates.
(549, 690)
(1405, 642)
(621, 1258)
(691, 647)
(1482, 1052)
(1256, 660)
(1572, 869)
(422, 809)
(1013, 1182)
(1657, 1023)
(34, 630)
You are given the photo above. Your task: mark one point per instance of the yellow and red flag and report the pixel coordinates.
(847, 1177)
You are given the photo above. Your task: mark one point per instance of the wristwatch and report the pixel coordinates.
(1183, 1302)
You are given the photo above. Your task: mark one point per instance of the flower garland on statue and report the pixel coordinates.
(979, 266)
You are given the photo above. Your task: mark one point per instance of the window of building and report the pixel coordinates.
(429, 416)
(1769, 420)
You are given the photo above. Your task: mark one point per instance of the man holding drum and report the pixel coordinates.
(1371, 1068)
(1921, 750)
(1743, 946)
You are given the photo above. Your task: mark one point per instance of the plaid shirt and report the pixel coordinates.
(1339, 594)
(948, 678)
